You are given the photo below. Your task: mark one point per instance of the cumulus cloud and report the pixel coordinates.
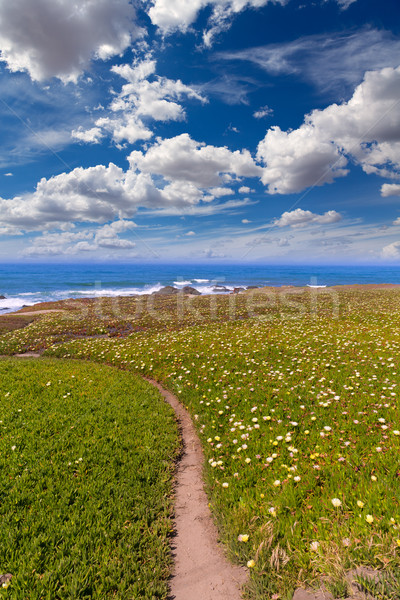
(174, 176)
(146, 95)
(89, 136)
(173, 15)
(331, 62)
(390, 189)
(58, 38)
(366, 128)
(69, 243)
(183, 159)
(301, 218)
(391, 251)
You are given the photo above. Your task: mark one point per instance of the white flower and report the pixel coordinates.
(336, 502)
(314, 546)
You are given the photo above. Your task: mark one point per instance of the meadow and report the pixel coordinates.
(295, 399)
(87, 462)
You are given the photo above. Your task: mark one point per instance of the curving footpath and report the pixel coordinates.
(201, 570)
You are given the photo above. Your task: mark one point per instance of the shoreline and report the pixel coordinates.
(35, 308)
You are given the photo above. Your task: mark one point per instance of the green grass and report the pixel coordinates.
(87, 458)
(296, 402)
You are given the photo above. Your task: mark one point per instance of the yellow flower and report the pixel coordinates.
(360, 504)
(398, 542)
(369, 518)
(251, 564)
(373, 478)
(225, 484)
(243, 537)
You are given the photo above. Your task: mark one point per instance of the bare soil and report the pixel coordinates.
(201, 570)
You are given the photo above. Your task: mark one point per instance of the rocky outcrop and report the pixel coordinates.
(191, 290)
(168, 290)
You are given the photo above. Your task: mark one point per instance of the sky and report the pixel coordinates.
(200, 130)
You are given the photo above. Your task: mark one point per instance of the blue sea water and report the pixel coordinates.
(28, 284)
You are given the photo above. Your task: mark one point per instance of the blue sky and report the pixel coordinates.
(197, 130)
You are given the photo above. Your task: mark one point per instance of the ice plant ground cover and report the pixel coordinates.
(296, 404)
(87, 456)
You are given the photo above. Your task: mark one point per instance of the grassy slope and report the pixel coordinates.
(87, 457)
(297, 405)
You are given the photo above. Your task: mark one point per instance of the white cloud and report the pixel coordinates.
(175, 176)
(264, 111)
(390, 189)
(58, 38)
(298, 159)
(67, 243)
(144, 96)
(245, 221)
(397, 221)
(391, 251)
(301, 218)
(8, 174)
(183, 159)
(331, 62)
(218, 192)
(366, 128)
(190, 233)
(172, 15)
(344, 4)
(90, 136)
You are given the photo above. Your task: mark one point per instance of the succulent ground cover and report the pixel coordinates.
(87, 460)
(295, 397)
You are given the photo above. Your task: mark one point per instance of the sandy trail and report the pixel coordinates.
(201, 570)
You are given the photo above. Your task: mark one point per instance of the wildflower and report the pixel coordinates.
(360, 504)
(272, 511)
(398, 542)
(251, 564)
(296, 479)
(277, 483)
(336, 502)
(314, 546)
(346, 542)
(369, 519)
(225, 484)
(243, 537)
(396, 432)
(373, 478)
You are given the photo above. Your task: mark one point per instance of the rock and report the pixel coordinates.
(2, 297)
(252, 287)
(220, 288)
(168, 290)
(191, 290)
(237, 290)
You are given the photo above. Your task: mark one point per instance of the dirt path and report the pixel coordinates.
(201, 570)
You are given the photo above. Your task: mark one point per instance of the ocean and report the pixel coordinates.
(28, 284)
